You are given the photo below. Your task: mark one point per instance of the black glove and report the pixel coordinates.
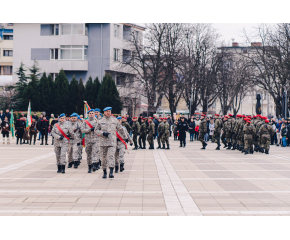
(92, 129)
(61, 137)
(131, 144)
(105, 134)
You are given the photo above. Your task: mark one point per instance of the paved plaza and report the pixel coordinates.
(177, 182)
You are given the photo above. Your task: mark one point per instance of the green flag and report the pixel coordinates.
(12, 124)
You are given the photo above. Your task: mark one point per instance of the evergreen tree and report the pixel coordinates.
(89, 93)
(73, 91)
(51, 95)
(45, 94)
(109, 96)
(20, 86)
(35, 70)
(81, 92)
(61, 93)
(96, 88)
(31, 93)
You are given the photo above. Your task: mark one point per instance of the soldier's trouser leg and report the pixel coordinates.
(117, 162)
(266, 141)
(89, 153)
(80, 147)
(135, 140)
(167, 141)
(122, 152)
(75, 152)
(63, 152)
(201, 138)
(144, 141)
(70, 152)
(57, 151)
(139, 141)
(95, 152)
(214, 137)
(159, 139)
(247, 143)
(108, 157)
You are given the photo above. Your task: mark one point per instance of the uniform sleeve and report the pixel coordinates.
(53, 133)
(120, 129)
(84, 129)
(98, 130)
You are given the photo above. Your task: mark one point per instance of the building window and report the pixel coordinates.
(126, 56)
(135, 36)
(73, 52)
(53, 53)
(7, 70)
(116, 30)
(7, 53)
(7, 37)
(116, 54)
(53, 76)
(54, 29)
(73, 29)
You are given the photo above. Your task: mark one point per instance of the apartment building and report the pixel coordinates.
(6, 54)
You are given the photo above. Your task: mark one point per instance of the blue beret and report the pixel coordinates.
(107, 108)
(62, 115)
(101, 114)
(79, 117)
(119, 118)
(97, 110)
(92, 110)
(74, 115)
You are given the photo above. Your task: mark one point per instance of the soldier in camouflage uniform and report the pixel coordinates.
(61, 142)
(265, 133)
(98, 164)
(106, 129)
(249, 133)
(151, 132)
(202, 131)
(126, 124)
(80, 147)
(217, 131)
(73, 151)
(227, 130)
(165, 137)
(135, 131)
(231, 131)
(234, 136)
(91, 140)
(143, 132)
(261, 121)
(223, 136)
(240, 131)
(160, 131)
(121, 149)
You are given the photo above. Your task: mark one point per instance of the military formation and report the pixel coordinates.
(244, 133)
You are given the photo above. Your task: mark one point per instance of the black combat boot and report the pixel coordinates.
(94, 167)
(135, 148)
(159, 147)
(144, 147)
(116, 168)
(20, 141)
(218, 147)
(234, 146)
(184, 144)
(111, 172)
(58, 168)
(229, 146)
(203, 146)
(168, 147)
(98, 165)
(180, 144)
(150, 146)
(122, 167)
(163, 146)
(266, 151)
(62, 168)
(153, 146)
(246, 152)
(90, 168)
(41, 142)
(262, 150)
(105, 173)
(76, 164)
(225, 145)
(34, 143)
(70, 164)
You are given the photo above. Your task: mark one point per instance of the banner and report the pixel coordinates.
(29, 116)
(12, 130)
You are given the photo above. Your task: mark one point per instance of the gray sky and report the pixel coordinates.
(233, 30)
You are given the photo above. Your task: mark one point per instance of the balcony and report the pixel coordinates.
(6, 80)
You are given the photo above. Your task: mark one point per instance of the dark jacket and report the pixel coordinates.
(182, 127)
(2, 116)
(5, 126)
(191, 126)
(43, 125)
(8, 115)
(35, 117)
(156, 122)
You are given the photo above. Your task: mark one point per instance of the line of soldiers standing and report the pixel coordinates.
(241, 133)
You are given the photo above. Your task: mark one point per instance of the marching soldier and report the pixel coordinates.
(44, 129)
(182, 128)
(236, 131)
(165, 138)
(80, 147)
(249, 133)
(143, 132)
(231, 130)
(136, 131)
(126, 124)
(121, 148)
(61, 133)
(160, 131)
(106, 129)
(151, 132)
(223, 136)
(217, 131)
(33, 131)
(202, 131)
(265, 133)
(5, 126)
(73, 151)
(234, 137)
(228, 130)
(88, 127)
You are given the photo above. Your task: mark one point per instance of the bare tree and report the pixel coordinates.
(7, 97)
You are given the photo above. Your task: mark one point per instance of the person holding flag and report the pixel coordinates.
(12, 124)
(121, 147)
(62, 133)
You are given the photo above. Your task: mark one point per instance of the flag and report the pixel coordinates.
(29, 116)
(12, 124)
(86, 109)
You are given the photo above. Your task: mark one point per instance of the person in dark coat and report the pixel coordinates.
(191, 127)
(33, 131)
(156, 123)
(44, 129)
(19, 126)
(8, 115)
(182, 128)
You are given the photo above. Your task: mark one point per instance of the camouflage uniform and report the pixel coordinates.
(202, 131)
(160, 131)
(127, 126)
(151, 132)
(61, 145)
(136, 132)
(258, 138)
(108, 144)
(228, 132)
(217, 131)
(120, 148)
(73, 151)
(142, 137)
(249, 133)
(91, 141)
(265, 133)
(165, 136)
